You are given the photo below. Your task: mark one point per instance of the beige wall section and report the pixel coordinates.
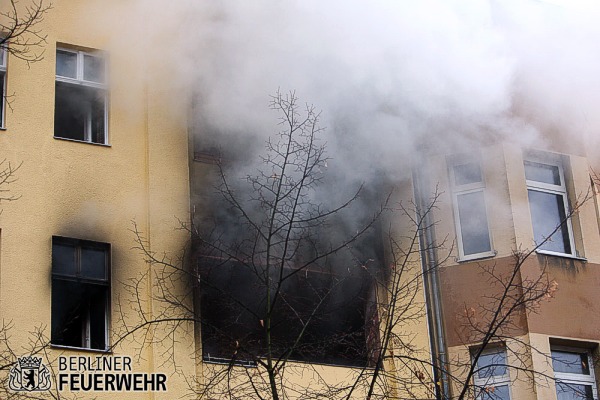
(582, 195)
(517, 190)
(410, 344)
(89, 191)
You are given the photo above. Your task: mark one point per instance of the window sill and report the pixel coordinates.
(2, 128)
(82, 141)
(84, 349)
(252, 364)
(228, 361)
(477, 257)
(561, 255)
(207, 158)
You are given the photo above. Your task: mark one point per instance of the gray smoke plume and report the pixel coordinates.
(394, 79)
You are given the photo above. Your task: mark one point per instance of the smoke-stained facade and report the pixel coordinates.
(463, 141)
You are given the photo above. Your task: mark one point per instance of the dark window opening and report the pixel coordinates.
(80, 293)
(79, 113)
(336, 310)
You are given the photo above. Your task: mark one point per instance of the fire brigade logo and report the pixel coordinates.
(29, 375)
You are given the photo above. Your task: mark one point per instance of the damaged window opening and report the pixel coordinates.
(80, 293)
(80, 111)
(341, 330)
(3, 56)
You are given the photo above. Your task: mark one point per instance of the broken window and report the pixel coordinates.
(80, 111)
(3, 57)
(333, 314)
(80, 293)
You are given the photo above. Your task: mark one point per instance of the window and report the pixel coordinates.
(470, 211)
(574, 374)
(491, 375)
(232, 309)
(80, 104)
(3, 57)
(80, 293)
(548, 204)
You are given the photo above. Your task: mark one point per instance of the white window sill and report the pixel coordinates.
(85, 349)
(561, 255)
(82, 141)
(476, 257)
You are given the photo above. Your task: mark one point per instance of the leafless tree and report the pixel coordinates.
(37, 345)
(7, 176)
(20, 32)
(270, 284)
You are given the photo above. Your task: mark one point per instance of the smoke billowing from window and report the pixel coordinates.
(391, 77)
(394, 79)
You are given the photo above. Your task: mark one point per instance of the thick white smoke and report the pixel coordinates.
(392, 77)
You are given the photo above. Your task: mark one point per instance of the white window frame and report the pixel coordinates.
(494, 380)
(3, 93)
(458, 190)
(552, 189)
(79, 80)
(577, 379)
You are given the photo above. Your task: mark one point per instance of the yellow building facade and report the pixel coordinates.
(108, 169)
(105, 163)
(119, 158)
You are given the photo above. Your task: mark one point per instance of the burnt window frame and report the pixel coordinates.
(60, 280)
(79, 81)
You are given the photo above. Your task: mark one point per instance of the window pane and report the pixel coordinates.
(548, 213)
(64, 259)
(573, 363)
(79, 113)
(98, 113)
(93, 69)
(571, 391)
(473, 223)
(542, 173)
(68, 312)
(97, 300)
(93, 263)
(491, 364)
(79, 314)
(467, 173)
(70, 111)
(2, 78)
(66, 64)
(494, 393)
(2, 56)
